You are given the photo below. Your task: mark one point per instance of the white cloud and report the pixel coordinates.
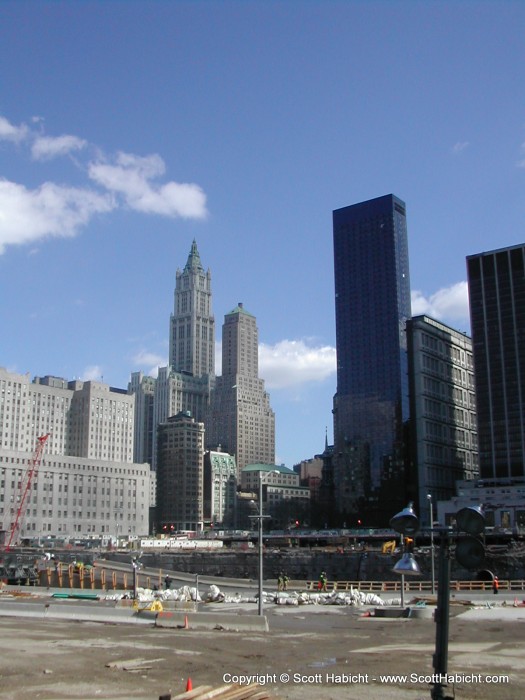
(449, 304)
(8, 132)
(152, 361)
(291, 363)
(50, 210)
(130, 177)
(47, 147)
(460, 146)
(92, 373)
(287, 364)
(59, 210)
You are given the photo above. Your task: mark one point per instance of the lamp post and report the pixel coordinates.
(260, 518)
(406, 523)
(470, 553)
(433, 573)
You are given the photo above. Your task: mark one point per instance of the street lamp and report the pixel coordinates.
(433, 573)
(470, 553)
(136, 564)
(406, 523)
(260, 518)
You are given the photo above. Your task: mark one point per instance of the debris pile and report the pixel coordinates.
(215, 595)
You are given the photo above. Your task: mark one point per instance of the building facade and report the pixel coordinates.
(371, 406)
(284, 499)
(241, 419)
(496, 282)
(87, 484)
(192, 324)
(443, 410)
(180, 474)
(502, 500)
(185, 383)
(220, 488)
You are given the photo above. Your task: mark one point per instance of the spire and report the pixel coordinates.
(326, 440)
(194, 259)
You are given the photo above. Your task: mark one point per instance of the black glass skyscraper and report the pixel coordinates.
(497, 310)
(371, 406)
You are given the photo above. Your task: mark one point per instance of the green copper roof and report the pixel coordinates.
(194, 259)
(239, 309)
(268, 468)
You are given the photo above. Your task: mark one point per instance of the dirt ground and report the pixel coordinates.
(310, 652)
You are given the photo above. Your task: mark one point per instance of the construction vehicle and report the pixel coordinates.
(21, 498)
(388, 547)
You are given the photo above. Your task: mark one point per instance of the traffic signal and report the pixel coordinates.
(470, 551)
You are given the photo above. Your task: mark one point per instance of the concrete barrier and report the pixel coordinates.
(209, 621)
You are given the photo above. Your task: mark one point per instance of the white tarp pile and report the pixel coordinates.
(352, 597)
(146, 595)
(215, 595)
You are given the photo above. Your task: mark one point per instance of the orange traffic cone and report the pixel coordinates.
(189, 685)
(186, 625)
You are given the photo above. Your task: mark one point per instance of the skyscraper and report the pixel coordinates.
(371, 406)
(185, 384)
(497, 310)
(180, 473)
(192, 325)
(241, 419)
(442, 410)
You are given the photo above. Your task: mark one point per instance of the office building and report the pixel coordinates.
(284, 499)
(442, 409)
(192, 325)
(503, 505)
(143, 388)
(220, 488)
(496, 282)
(185, 383)
(180, 474)
(87, 484)
(371, 406)
(241, 419)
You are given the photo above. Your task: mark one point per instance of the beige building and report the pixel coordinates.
(87, 483)
(241, 418)
(220, 488)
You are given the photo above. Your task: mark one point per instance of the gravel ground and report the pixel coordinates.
(321, 652)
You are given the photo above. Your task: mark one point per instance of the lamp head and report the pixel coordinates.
(406, 522)
(407, 566)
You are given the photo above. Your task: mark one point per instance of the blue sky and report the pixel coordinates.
(127, 129)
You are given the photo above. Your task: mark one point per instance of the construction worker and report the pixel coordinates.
(495, 585)
(322, 581)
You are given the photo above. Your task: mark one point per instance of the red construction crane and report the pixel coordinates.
(25, 486)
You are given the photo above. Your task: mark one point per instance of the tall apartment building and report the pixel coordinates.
(371, 406)
(180, 474)
(241, 419)
(497, 309)
(442, 409)
(87, 483)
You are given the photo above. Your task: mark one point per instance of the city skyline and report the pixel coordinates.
(243, 126)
